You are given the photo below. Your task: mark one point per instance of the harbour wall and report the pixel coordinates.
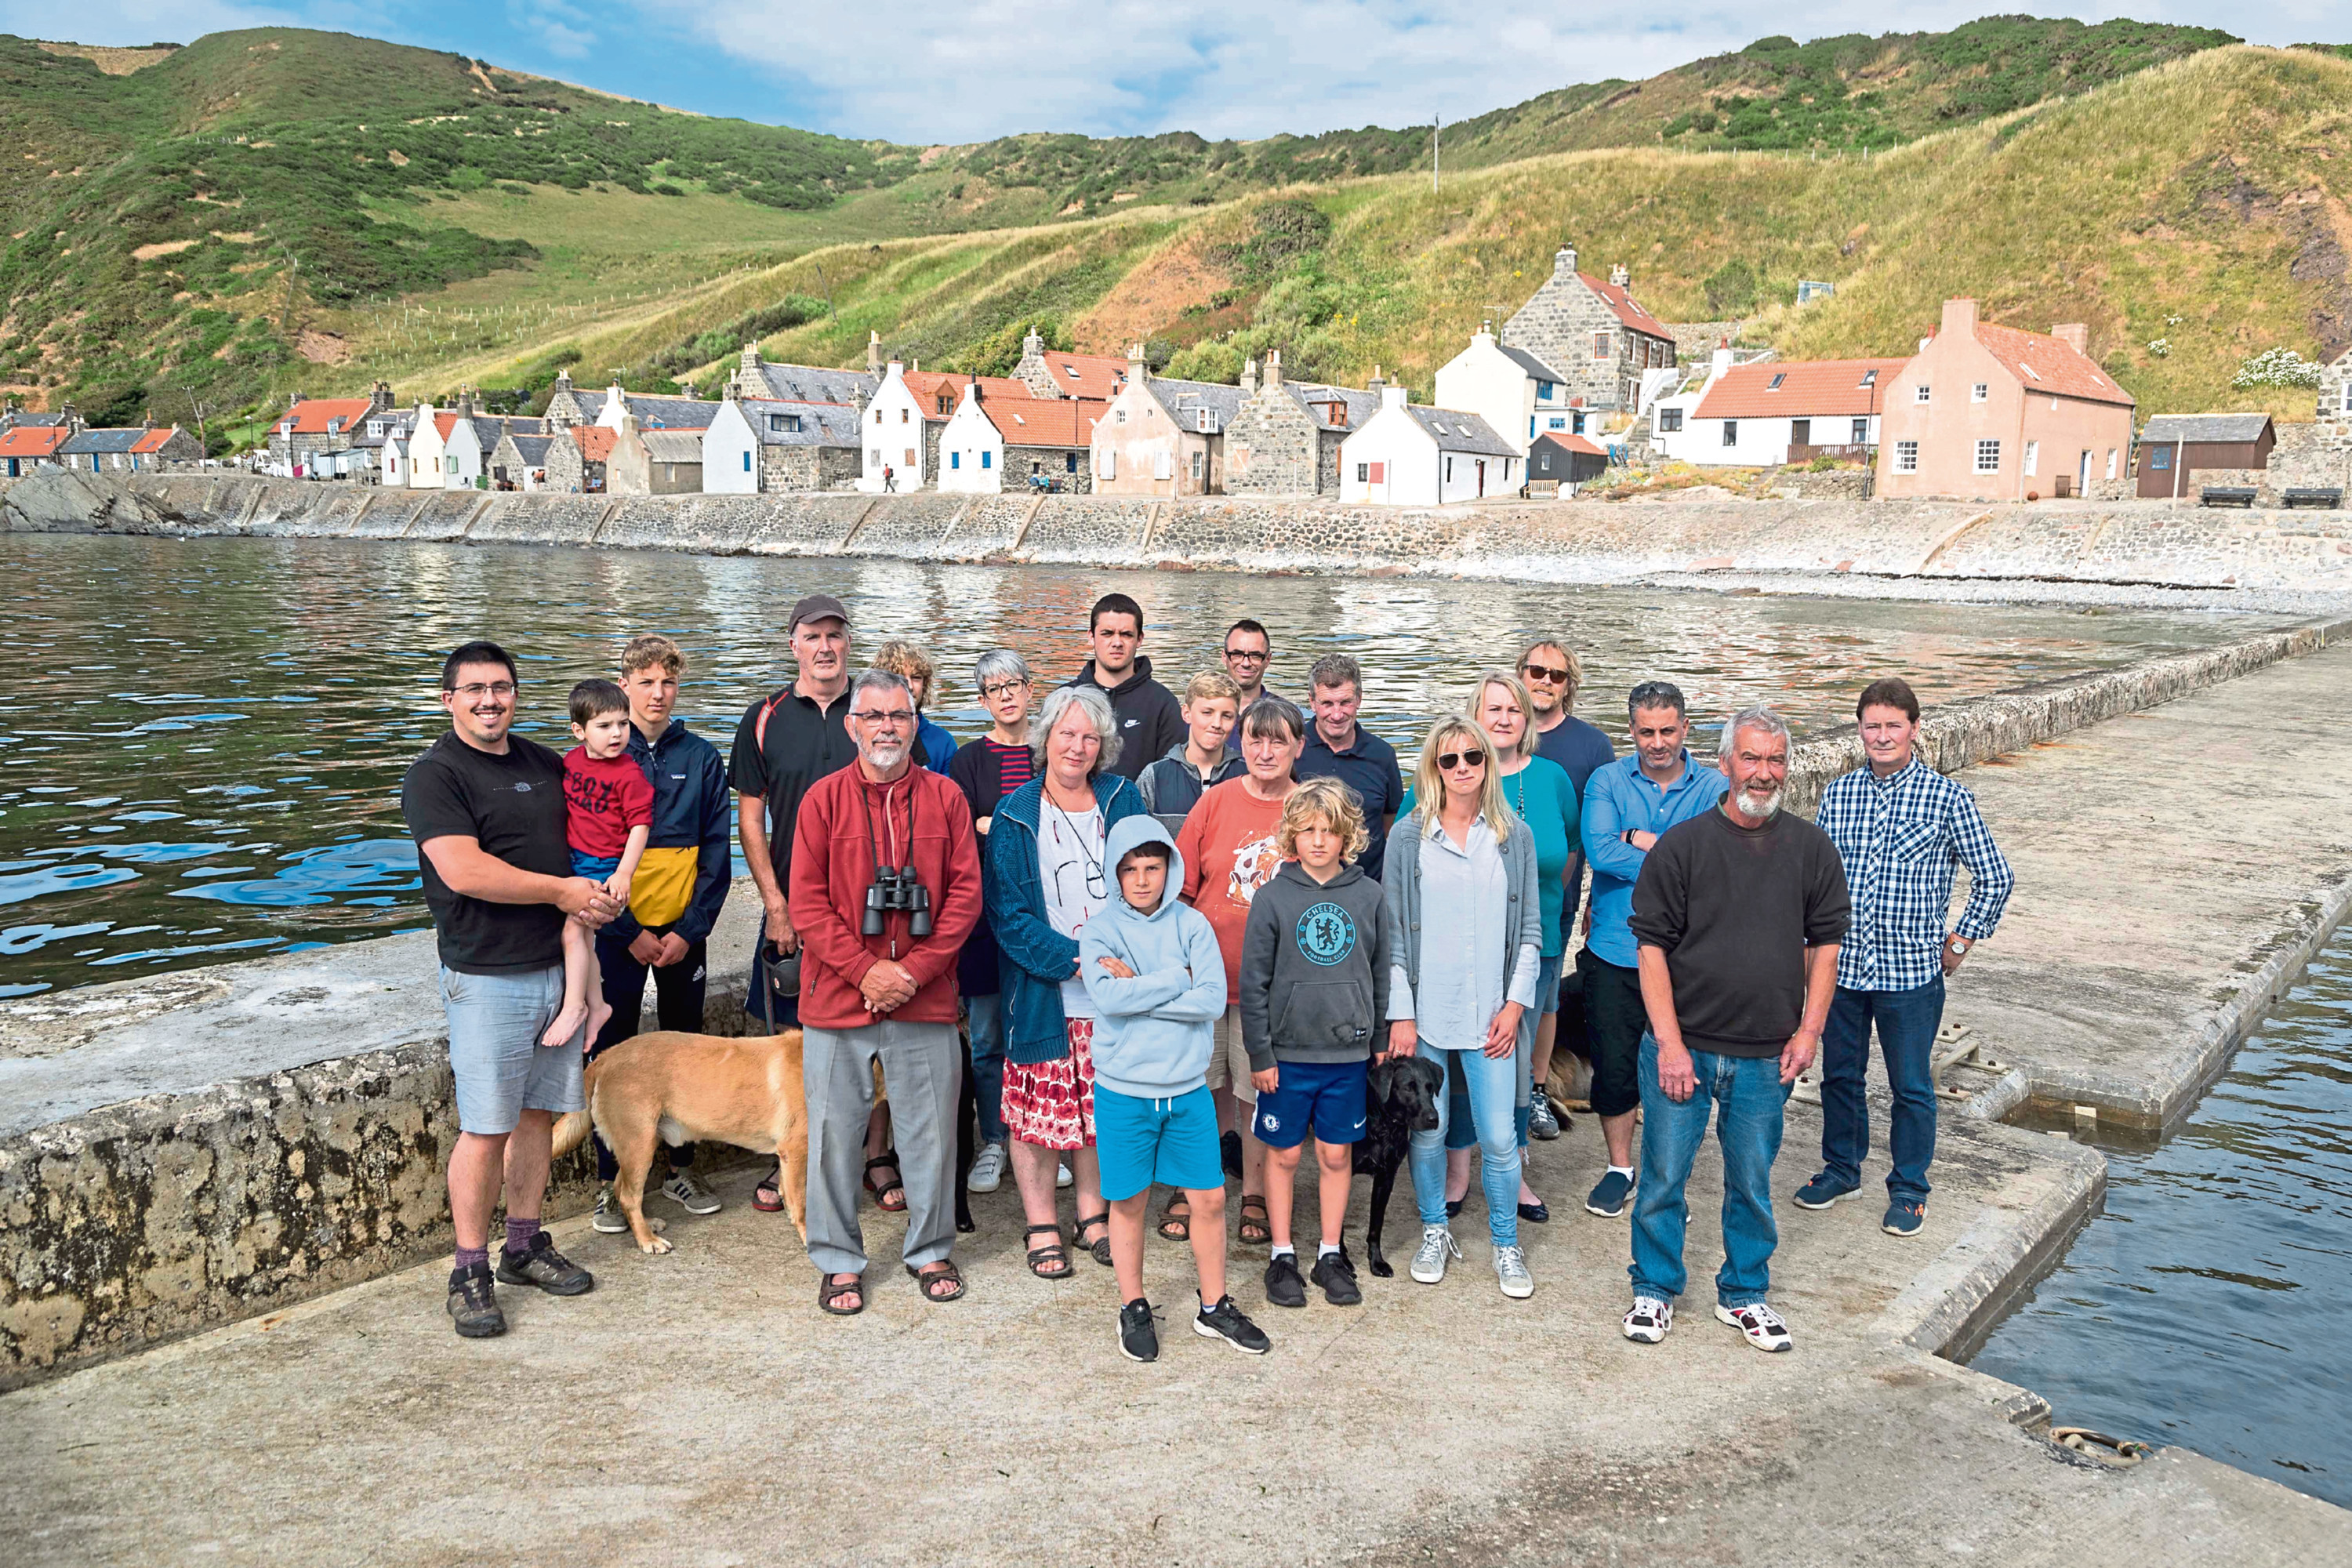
(2133, 542)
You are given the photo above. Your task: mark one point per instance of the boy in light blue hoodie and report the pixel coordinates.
(1152, 968)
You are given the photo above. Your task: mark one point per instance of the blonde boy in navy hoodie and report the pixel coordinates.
(1152, 968)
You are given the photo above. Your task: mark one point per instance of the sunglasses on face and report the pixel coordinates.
(1540, 672)
(1449, 761)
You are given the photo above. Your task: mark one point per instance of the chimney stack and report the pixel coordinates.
(750, 358)
(1274, 367)
(1136, 369)
(1376, 384)
(874, 353)
(1620, 276)
(1563, 262)
(2075, 335)
(1033, 345)
(1249, 378)
(1392, 397)
(465, 400)
(1960, 317)
(292, 399)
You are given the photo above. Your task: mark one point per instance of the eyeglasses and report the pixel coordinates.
(1003, 688)
(1549, 675)
(891, 716)
(1449, 761)
(1251, 654)
(476, 692)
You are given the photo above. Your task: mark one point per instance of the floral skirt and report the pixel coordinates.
(1052, 1104)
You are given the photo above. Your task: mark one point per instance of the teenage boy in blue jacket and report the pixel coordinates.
(1156, 979)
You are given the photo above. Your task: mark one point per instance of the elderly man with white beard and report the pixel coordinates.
(884, 888)
(1739, 913)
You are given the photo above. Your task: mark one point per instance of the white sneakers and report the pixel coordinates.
(987, 1169)
(1647, 1324)
(1759, 1324)
(1511, 1273)
(1062, 1177)
(1429, 1258)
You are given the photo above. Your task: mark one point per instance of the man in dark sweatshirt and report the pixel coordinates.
(1739, 913)
(1145, 712)
(1314, 1000)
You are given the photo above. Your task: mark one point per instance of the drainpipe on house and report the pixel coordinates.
(2179, 449)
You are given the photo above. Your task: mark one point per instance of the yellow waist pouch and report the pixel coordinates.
(664, 885)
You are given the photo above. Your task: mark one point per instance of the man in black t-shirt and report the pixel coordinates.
(1739, 913)
(487, 811)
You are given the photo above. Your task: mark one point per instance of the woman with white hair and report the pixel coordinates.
(1046, 877)
(1464, 900)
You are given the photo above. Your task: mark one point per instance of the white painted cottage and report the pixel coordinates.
(1772, 410)
(1407, 455)
(893, 431)
(1518, 395)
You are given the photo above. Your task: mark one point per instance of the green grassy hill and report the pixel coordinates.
(273, 208)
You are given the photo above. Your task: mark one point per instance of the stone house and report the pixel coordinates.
(1163, 438)
(26, 447)
(760, 446)
(1050, 374)
(2336, 390)
(1990, 412)
(1407, 455)
(2174, 448)
(658, 462)
(1769, 412)
(995, 443)
(1285, 438)
(754, 377)
(1516, 393)
(1596, 336)
(316, 425)
(519, 462)
(128, 449)
(908, 416)
(576, 459)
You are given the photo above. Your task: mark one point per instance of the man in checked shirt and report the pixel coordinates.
(1900, 827)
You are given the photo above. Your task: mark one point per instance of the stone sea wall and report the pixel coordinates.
(2111, 542)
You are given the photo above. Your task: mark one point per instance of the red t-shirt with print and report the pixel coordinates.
(603, 799)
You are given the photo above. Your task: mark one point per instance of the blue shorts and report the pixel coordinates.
(1327, 1095)
(1548, 987)
(1172, 1142)
(595, 868)
(501, 1070)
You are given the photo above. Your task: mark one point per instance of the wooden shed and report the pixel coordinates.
(2175, 446)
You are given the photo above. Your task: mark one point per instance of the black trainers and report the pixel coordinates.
(474, 1303)
(1224, 1322)
(1284, 1288)
(1336, 1272)
(544, 1267)
(1139, 1335)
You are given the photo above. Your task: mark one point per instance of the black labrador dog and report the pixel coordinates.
(1400, 1099)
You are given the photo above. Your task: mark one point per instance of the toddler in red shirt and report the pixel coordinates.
(608, 816)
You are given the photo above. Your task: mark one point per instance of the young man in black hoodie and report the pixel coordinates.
(1148, 717)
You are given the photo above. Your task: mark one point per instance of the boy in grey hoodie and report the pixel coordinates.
(1153, 971)
(1313, 999)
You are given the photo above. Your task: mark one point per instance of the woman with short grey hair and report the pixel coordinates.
(1059, 701)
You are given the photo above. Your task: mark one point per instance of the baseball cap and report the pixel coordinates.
(816, 607)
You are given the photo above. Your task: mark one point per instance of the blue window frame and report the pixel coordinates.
(955, 459)
(747, 462)
(988, 460)
(1543, 392)
(2161, 457)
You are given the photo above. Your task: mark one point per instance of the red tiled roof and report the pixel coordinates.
(1620, 299)
(594, 441)
(444, 421)
(1044, 421)
(1085, 375)
(2044, 363)
(33, 440)
(153, 440)
(1566, 442)
(927, 385)
(1807, 388)
(311, 417)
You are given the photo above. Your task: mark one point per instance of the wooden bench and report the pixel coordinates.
(2313, 496)
(1543, 489)
(2226, 495)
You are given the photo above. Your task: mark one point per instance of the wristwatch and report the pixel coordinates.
(1957, 947)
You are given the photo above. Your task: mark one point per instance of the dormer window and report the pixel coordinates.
(784, 423)
(946, 402)
(1337, 414)
(1205, 419)
(1775, 384)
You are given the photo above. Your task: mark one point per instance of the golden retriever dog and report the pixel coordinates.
(674, 1088)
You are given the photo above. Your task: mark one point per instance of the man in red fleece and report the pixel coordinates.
(878, 982)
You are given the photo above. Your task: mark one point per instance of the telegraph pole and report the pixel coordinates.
(1437, 125)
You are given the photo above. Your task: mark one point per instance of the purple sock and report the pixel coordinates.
(469, 1256)
(520, 1233)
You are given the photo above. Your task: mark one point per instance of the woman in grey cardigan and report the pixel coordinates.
(1467, 927)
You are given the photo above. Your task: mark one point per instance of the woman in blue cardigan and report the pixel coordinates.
(1046, 877)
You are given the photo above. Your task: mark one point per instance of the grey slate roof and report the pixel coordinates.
(1456, 431)
(1184, 399)
(814, 383)
(27, 419)
(531, 449)
(1529, 363)
(673, 445)
(671, 412)
(591, 404)
(1361, 405)
(822, 424)
(82, 443)
(2189, 428)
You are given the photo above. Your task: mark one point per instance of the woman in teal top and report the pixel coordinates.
(1540, 795)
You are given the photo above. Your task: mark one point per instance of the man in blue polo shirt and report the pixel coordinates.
(1340, 748)
(1627, 805)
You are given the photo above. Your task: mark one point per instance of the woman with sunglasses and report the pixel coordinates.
(1045, 880)
(1461, 889)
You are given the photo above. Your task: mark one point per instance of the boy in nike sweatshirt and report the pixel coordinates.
(1314, 1001)
(1152, 969)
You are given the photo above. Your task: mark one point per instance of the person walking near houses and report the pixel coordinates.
(987, 769)
(486, 810)
(1337, 747)
(1147, 718)
(1900, 827)
(1739, 913)
(879, 986)
(1627, 805)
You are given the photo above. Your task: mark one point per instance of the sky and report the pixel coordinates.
(917, 71)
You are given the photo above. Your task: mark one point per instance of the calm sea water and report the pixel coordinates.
(204, 754)
(2205, 1305)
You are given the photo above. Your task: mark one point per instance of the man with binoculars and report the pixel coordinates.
(885, 886)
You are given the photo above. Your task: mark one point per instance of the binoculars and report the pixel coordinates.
(895, 887)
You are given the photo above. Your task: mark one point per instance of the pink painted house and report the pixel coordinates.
(1987, 413)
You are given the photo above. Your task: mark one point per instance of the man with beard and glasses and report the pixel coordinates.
(1738, 912)
(884, 888)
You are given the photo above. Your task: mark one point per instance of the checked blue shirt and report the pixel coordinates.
(1899, 837)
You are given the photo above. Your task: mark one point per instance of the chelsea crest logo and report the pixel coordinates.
(1327, 934)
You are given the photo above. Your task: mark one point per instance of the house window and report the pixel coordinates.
(2111, 462)
(873, 458)
(747, 462)
(1600, 345)
(902, 416)
(1669, 419)
(988, 460)
(1122, 415)
(1449, 470)
(2348, 394)
(2033, 458)
(955, 459)
(1861, 436)
(947, 404)
(1543, 392)
(784, 423)
(1204, 419)
(1577, 428)
(1199, 460)
(1731, 432)
(1364, 470)
(1870, 377)
(1920, 393)
(1774, 385)
(1988, 457)
(1978, 392)
(2161, 458)
(1559, 422)
(1906, 457)
(1069, 462)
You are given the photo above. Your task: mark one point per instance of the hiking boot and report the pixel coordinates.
(1511, 1273)
(1336, 1272)
(1647, 1324)
(1609, 1197)
(691, 1195)
(608, 1220)
(1904, 1218)
(1139, 1335)
(1541, 1121)
(1429, 1257)
(1283, 1285)
(1224, 1322)
(474, 1303)
(1824, 1190)
(544, 1267)
(987, 1169)
(1759, 1324)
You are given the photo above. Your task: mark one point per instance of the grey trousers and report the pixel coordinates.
(922, 1071)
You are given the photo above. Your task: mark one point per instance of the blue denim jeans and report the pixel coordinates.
(1908, 1022)
(1747, 1096)
(1494, 1091)
(987, 1019)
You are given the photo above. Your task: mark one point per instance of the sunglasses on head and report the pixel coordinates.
(1449, 761)
(1544, 673)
